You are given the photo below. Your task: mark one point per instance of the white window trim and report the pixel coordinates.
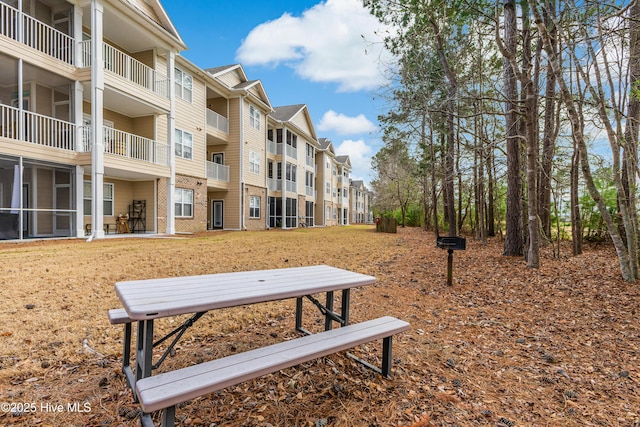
(104, 199)
(180, 141)
(187, 190)
(254, 162)
(181, 93)
(254, 117)
(253, 208)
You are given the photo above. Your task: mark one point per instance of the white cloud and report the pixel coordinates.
(345, 125)
(359, 155)
(329, 43)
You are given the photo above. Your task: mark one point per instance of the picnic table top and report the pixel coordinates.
(155, 298)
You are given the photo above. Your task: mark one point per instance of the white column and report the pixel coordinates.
(77, 36)
(171, 126)
(21, 121)
(79, 187)
(97, 120)
(284, 178)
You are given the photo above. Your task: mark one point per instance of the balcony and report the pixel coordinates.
(311, 162)
(130, 69)
(274, 148)
(309, 191)
(130, 146)
(292, 186)
(36, 129)
(274, 184)
(217, 171)
(292, 152)
(217, 121)
(27, 30)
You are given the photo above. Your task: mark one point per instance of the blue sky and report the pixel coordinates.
(325, 54)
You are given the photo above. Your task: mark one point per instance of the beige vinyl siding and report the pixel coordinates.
(190, 117)
(42, 103)
(232, 158)
(161, 129)
(219, 105)
(147, 57)
(124, 193)
(146, 9)
(254, 140)
(300, 120)
(230, 79)
(145, 126)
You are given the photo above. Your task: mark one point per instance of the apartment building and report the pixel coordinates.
(86, 113)
(105, 128)
(291, 167)
(360, 203)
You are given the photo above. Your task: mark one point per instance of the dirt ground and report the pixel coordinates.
(503, 346)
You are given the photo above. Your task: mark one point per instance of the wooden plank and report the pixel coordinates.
(148, 299)
(168, 389)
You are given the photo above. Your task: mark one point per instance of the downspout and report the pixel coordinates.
(241, 171)
(97, 122)
(284, 177)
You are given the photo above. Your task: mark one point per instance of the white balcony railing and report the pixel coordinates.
(217, 121)
(274, 148)
(274, 184)
(128, 68)
(25, 29)
(124, 144)
(36, 128)
(292, 152)
(217, 171)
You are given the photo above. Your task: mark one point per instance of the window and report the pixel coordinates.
(328, 188)
(254, 207)
(107, 197)
(309, 179)
(254, 117)
(183, 203)
(310, 151)
(291, 172)
(292, 139)
(254, 162)
(184, 144)
(184, 85)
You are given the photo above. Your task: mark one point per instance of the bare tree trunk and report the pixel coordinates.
(630, 147)
(434, 192)
(549, 140)
(623, 255)
(576, 220)
(491, 222)
(531, 133)
(449, 160)
(513, 244)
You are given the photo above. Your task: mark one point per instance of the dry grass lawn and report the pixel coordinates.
(503, 346)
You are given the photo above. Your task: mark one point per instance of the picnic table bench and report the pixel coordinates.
(147, 300)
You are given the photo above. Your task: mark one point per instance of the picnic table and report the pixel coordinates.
(145, 301)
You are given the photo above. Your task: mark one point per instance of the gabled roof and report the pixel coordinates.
(288, 114)
(217, 71)
(357, 183)
(344, 160)
(326, 145)
(159, 17)
(245, 84)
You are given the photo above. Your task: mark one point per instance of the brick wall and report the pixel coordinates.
(198, 222)
(259, 223)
